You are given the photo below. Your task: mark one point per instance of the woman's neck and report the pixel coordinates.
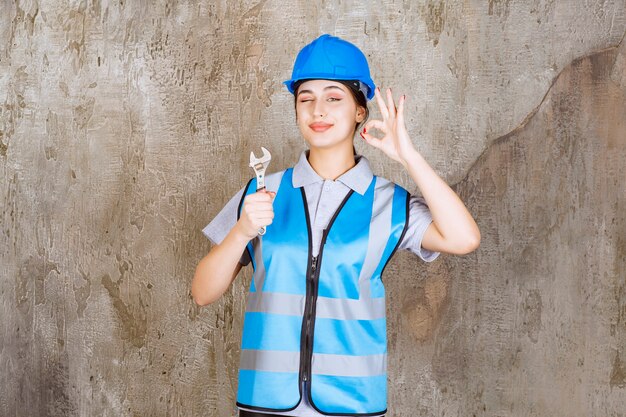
(329, 163)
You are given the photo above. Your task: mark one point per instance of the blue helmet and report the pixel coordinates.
(332, 58)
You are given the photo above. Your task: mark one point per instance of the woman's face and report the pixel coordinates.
(326, 113)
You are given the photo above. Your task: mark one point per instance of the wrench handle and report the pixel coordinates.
(262, 229)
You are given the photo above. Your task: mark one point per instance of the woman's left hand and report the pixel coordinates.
(396, 142)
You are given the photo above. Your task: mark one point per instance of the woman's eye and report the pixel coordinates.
(330, 98)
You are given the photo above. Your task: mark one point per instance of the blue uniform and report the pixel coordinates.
(315, 320)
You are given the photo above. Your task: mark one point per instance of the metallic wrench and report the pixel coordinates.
(259, 165)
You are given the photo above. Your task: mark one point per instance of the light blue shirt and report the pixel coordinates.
(323, 199)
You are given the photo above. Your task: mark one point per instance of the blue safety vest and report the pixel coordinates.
(320, 319)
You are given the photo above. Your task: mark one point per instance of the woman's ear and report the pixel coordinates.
(360, 114)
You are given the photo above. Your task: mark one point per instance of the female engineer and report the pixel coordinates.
(314, 335)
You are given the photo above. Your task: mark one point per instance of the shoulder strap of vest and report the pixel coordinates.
(243, 196)
(249, 247)
(252, 183)
(406, 225)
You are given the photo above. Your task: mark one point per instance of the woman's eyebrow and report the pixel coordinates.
(325, 88)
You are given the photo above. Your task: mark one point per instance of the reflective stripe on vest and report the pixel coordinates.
(342, 349)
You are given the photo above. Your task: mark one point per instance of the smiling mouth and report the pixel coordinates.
(320, 128)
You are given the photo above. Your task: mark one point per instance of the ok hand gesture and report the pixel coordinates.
(396, 142)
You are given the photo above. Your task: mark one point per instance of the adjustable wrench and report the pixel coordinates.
(259, 165)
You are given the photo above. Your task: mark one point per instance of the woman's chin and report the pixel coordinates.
(320, 141)
(322, 144)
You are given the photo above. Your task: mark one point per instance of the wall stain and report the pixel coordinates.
(83, 112)
(134, 324)
(33, 270)
(254, 11)
(499, 8)
(81, 293)
(421, 307)
(434, 15)
(618, 72)
(532, 314)
(54, 386)
(618, 373)
(10, 213)
(74, 29)
(12, 111)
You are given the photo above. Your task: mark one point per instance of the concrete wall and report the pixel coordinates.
(124, 128)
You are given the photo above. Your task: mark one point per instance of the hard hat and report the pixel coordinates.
(332, 58)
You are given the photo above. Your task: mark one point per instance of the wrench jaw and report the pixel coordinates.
(264, 159)
(260, 165)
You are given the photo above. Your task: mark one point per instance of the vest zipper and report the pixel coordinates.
(310, 309)
(310, 284)
(311, 295)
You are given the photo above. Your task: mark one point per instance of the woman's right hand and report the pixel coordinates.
(257, 211)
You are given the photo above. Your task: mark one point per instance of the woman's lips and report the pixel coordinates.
(320, 127)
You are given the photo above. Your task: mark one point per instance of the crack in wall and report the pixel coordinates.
(520, 127)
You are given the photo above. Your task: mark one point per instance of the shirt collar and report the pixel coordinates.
(357, 178)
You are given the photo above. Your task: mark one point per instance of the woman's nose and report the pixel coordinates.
(320, 109)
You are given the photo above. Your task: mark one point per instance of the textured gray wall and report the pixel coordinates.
(125, 127)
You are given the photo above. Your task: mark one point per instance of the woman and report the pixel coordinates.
(314, 337)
